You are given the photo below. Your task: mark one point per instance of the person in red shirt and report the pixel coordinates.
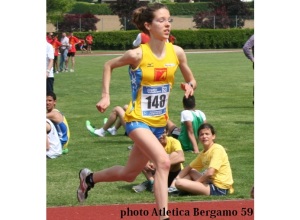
(141, 38)
(89, 42)
(56, 44)
(49, 37)
(82, 45)
(172, 39)
(73, 41)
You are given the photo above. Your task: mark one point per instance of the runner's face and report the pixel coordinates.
(161, 24)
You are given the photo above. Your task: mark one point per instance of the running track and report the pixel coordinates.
(239, 209)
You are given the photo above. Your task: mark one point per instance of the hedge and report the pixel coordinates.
(187, 39)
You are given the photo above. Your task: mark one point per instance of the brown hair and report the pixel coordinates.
(145, 14)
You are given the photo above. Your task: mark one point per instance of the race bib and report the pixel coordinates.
(154, 100)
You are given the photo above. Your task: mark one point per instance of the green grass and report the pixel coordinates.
(224, 94)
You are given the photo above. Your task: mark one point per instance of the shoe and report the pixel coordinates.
(90, 128)
(82, 191)
(56, 72)
(65, 151)
(66, 70)
(100, 132)
(173, 190)
(141, 187)
(71, 70)
(150, 187)
(130, 147)
(112, 131)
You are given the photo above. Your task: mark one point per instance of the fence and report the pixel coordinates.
(112, 23)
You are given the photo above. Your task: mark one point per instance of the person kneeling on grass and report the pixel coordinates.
(173, 148)
(216, 176)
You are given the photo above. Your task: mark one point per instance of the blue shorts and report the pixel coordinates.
(216, 191)
(157, 131)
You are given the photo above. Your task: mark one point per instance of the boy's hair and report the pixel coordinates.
(52, 94)
(207, 126)
(189, 103)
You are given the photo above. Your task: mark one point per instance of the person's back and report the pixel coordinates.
(196, 118)
(191, 120)
(53, 145)
(63, 130)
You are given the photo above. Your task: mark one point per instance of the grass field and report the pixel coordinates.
(224, 94)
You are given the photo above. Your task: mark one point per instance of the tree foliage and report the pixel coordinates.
(78, 22)
(124, 10)
(223, 14)
(57, 8)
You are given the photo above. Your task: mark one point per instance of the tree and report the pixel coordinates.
(79, 22)
(124, 10)
(223, 14)
(57, 8)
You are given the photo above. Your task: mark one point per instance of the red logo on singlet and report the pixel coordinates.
(160, 74)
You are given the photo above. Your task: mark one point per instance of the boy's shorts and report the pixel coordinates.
(216, 191)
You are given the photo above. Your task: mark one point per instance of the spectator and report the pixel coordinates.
(56, 45)
(141, 38)
(172, 39)
(89, 41)
(82, 45)
(248, 49)
(152, 69)
(114, 122)
(63, 52)
(49, 37)
(176, 155)
(49, 67)
(190, 120)
(59, 120)
(73, 41)
(210, 172)
(53, 145)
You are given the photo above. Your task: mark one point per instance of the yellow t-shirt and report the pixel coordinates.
(172, 146)
(217, 158)
(151, 83)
